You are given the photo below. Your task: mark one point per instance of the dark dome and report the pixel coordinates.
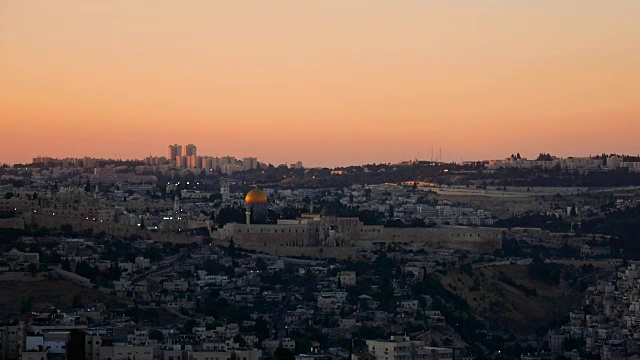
(328, 210)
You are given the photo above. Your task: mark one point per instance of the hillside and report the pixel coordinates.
(46, 290)
(509, 297)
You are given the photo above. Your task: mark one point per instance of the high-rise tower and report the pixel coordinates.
(174, 150)
(190, 150)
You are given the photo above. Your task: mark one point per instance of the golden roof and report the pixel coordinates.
(255, 196)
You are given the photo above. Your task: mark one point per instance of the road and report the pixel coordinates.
(289, 260)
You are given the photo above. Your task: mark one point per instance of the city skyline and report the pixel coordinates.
(356, 83)
(180, 156)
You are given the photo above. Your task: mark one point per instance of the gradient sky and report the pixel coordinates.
(328, 82)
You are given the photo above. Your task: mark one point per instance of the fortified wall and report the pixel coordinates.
(12, 223)
(296, 235)
(537, 236)
(472, 239)
(114, 229)
(353, 252)
(327, 235)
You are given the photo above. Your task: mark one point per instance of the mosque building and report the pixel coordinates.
(327, 229)
(255, 204)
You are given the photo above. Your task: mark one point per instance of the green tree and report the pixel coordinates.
(231, 249)
(467, 269)
(188, 326)
(26, 305)
(66, 265)
(240, 340)
(33, 269)
(153, 254)
(77, 301)
(85, 270)
(262, 329)
(261, 265)
(67, 229)
(156, 334)
(283, 354)
(303, 345)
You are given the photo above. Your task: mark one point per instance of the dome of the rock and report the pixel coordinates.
(255, 196)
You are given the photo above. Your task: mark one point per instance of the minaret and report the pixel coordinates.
(247, 215)
(225, 190)
(176, 204)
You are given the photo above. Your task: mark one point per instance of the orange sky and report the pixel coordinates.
(329, 82)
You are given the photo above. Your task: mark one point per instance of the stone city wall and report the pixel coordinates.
(342, 253)
(537, 236)
(284, 239)
(267, 235)
(474, 239)
(113, 229)
(12, 223)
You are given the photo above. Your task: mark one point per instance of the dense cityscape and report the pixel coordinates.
(202, 257)
(319, 180)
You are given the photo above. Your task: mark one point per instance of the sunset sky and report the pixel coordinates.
(329, 82)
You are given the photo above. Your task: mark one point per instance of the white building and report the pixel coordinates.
(347, 278)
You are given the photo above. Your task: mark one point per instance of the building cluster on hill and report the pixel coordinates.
(52, 334)
(178, 158)
(118, 202)
(222, 304)
(608, 324)
(580, 164)
(177, 264)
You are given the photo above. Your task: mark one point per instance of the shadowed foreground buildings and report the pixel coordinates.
(26, 341)
(403, 348)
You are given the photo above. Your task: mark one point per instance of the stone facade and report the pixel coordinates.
(315, 231)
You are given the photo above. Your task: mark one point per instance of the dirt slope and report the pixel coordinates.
(512, 307)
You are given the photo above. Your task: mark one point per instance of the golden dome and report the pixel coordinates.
(255, 196)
